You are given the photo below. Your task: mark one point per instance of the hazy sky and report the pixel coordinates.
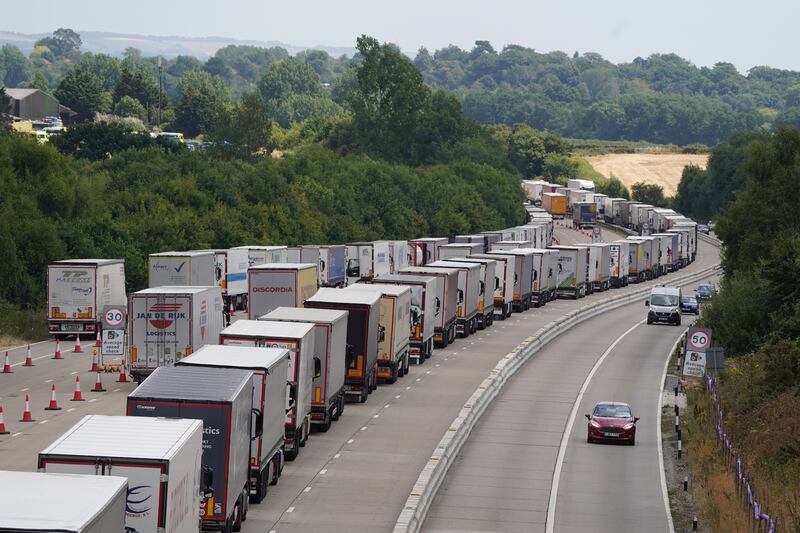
(746, 33)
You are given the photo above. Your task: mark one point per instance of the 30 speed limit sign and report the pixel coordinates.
(698, 339)
(114, 317)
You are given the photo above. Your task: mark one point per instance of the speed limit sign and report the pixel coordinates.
(114, 317)
(698, 339)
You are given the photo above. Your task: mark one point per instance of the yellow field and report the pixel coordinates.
(661, 169)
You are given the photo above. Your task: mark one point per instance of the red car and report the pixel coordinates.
(612, 422)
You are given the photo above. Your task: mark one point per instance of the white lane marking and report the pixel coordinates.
(70, 409)
(49, 380)
(363, 428)
(48, 356)
(664, 492)
(351, 441)
(409, 387)
(397, 397)
(307, 489)
(375, 416)
(290, 510)
(337, 456)
(25, 346)
(116, 390)
(44, 421)
(562, 449)
(17, 434)
(428, 372)
(419, 379)
(26, 389)
(323, 471)
(93, 400)
(387, 406)
(438, 365)
(73, 373)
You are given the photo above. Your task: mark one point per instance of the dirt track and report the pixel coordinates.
(661, 169)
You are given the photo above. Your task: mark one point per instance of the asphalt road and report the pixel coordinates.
(356, 476)
(502, 478)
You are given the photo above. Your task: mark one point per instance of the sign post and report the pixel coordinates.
(114, 318)
(698, 341)
(596, 237)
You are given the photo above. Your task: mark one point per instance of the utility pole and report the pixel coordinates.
(159, 91)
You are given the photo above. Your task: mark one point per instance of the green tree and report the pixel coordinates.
(246, 125)
(106, 68)
(80, 91)
(39, 82)
(64, 43)
(201, 101)
(297, 108)
(16, 67)
(5, 103)
(525, 148)
(130, 107)
(139, 83)
(648, 193)
(287, 77)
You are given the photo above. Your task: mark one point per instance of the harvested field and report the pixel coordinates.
(661, 169)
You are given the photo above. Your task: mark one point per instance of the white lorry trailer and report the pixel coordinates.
(274, 285)
(330, 344)
(330, 261)
(299, 340)
(269, 366)
(197, 269)
(620, 261)
(572, 271)
(469, 295)
(445, 325)
(259, 255)
(600, 270)
(160, 457)
(490, 284)
(166, 324)
(230, 273)
(77, 292)
(367, 260)
(503, 294)
(453, 250)
(425, 250)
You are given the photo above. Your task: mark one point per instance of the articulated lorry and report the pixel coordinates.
(68, 503)
(259, 255)
(469, 294)
(303, 367)
(270, 286)
(77, 292)
(620, 261)
(269, 367)
(230, 273)
(600, 255)
(462, 249)
(367, 260)
(427, 295)
(425, 250)
(196, 269)
(490, 283)
(572, 271)
(445, 325)
(363, 335)
(394, 322)
(165, 324)
(555, 204)
(399, 256)
(483, 240)
(330, 344)
(503, 294)
(523, 276)
(330, 260)
(222, 398)
(160, 457)
(584, 214)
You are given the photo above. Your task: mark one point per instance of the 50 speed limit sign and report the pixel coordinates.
(114, 317)
(698, 339)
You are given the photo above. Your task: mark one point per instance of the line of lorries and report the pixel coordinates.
(223, 405)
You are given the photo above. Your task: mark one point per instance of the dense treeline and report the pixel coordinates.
(756, 315)
(663, 98)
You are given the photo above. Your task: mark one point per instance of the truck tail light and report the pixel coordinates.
(317, 394)
(90, 327)
(188, 350)
(134, 354)
(52, 328)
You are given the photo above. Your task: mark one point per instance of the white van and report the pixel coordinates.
(664, 305)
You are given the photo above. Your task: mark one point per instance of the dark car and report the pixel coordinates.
(690, 305)
(702, 228)
(705, 291)
(612, 422)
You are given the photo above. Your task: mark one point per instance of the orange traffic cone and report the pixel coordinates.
(28, 359)
(98, 385)
(53, 400)
(77, 348)
(57, 354)
(95, 364)
(7, 365)
(26, 414)
(77, 396)
(123, 376)
(2, 423)
(98, 342)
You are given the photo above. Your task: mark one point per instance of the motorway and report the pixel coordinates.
(503, 478)
(356, 476)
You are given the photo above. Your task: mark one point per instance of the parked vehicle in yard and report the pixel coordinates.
(33, 502)
(77, 292)
(664, 305)
(689, 304)
(611, 422)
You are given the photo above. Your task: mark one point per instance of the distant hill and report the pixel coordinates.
(167, 46)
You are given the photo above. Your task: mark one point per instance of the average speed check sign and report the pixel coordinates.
(698, 339)
(114, 317)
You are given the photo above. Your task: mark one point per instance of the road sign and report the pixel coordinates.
(596, 235)
(113, 342)
(694, 364)
(114, 317)
(698, 339)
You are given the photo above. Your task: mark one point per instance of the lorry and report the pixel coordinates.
(367, 260)
(33, 502)
(303, 367)
(483, 240)
(269, 367)
(274, 285)
(197, 269)
(600, 200)
(427, 295)
(164, 472)
(165, 324)
(649, 258)
(587, 185)
(330, 344)
(398, 256)
(637, 263)
(449, 251)
(469, 295)
(683, 245)
(620, 261)
(490, 284)
(555, 204)
(600, 254)
(503, 294)
(510, 244)
(540, 276)
(584, 214)
(259, 255)
(494, 236)
(77, 292)
(363, 335)
(223, 399)
(330, 261)
(445, 325)
(572, 271)
(230, 273)
(425, 250)
(523, 276)
(394, 322)
(691, 228)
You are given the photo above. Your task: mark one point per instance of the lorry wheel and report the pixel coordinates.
(362, 398)
(262, 481)
(245, 505)
(276, 468)
(326, 425)
(393, 374)
(228, 527)
(509, 311)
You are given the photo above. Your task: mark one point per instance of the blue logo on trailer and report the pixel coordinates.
(178, 269)
(137, 502)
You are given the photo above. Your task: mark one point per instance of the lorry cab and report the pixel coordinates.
(664, 305)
